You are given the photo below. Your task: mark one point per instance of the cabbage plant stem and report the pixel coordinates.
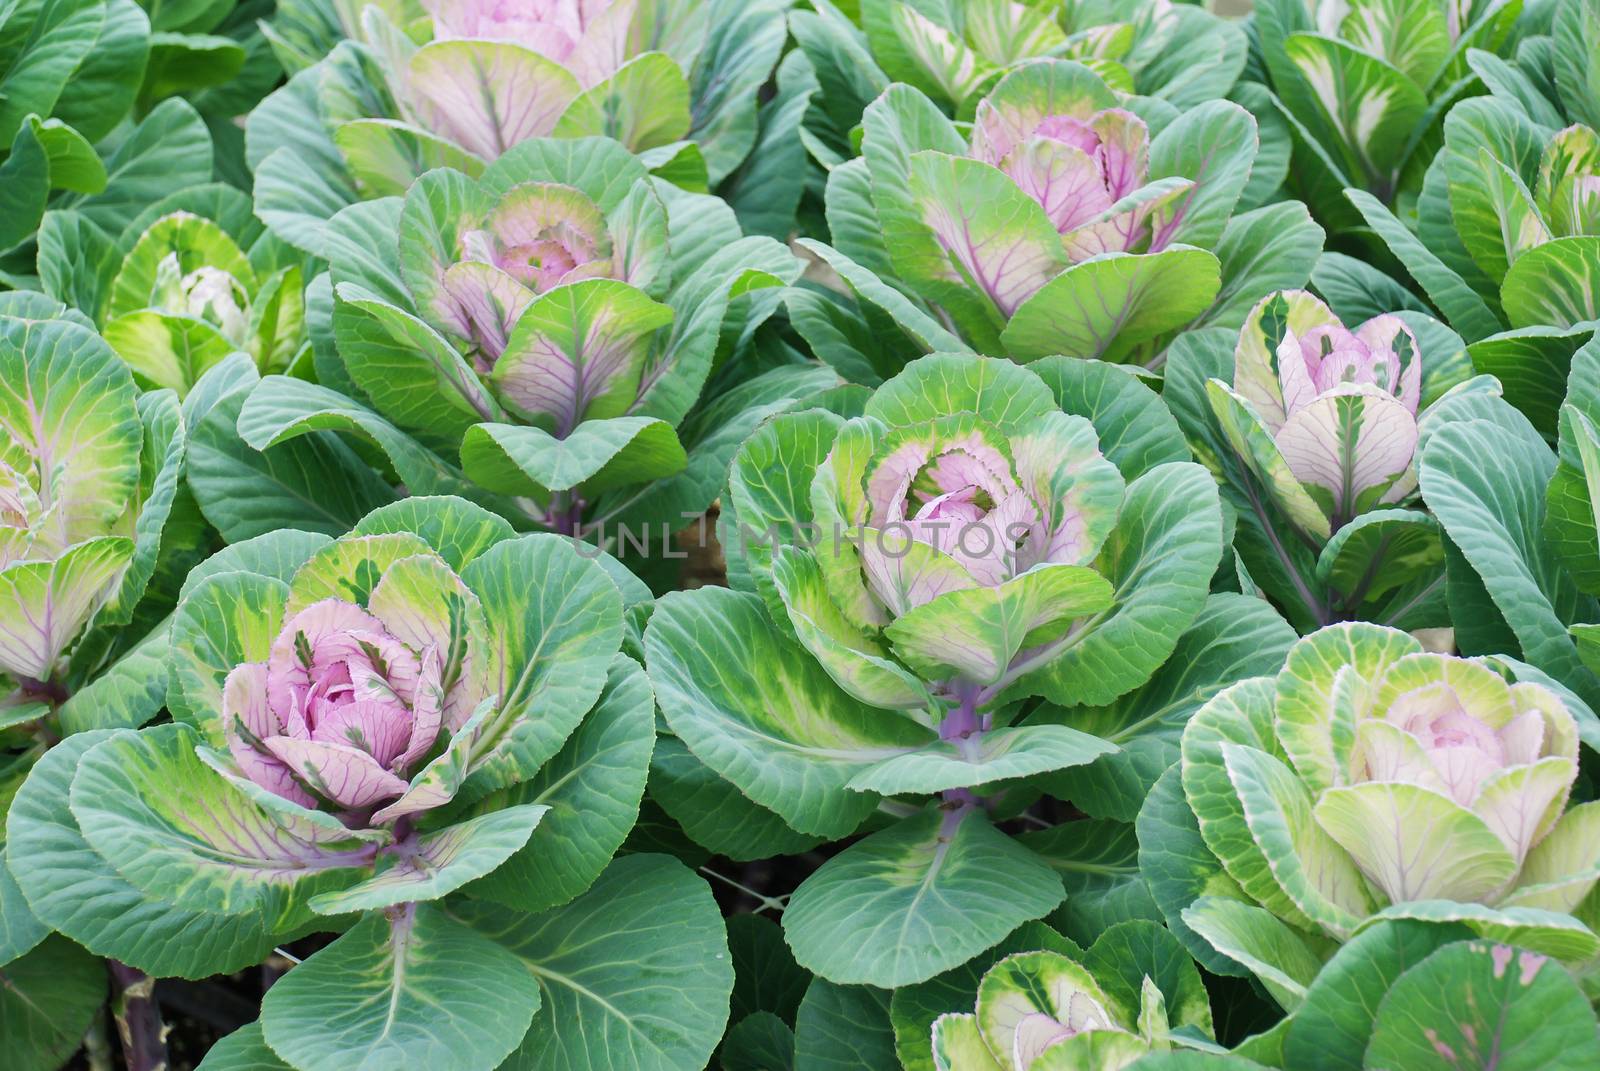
(139, 1025)
(963, 728)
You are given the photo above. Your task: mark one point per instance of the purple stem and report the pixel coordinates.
(566, 514)
(138, 1016)
(962, 727)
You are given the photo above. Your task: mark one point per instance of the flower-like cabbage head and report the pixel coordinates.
(498, 73)
(957, 516)
(1372, 776)
(957, 505)
(1324, 416)
(505, 249)
(379, 685)
(1023, 230)
(1505, 756)
(956, 539)
(188, 295)
(1079, 165)
(87, 474)
(342, 710)
(1047, 1011)
(549, 323)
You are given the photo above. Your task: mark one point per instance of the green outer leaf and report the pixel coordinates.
(1234, 636)
(1275, 247)
(315, 483)
(47, 1000)
(641, 960)
(20, 928)
(715, 814)
(1105, 306)
(1465, 310)
(592, 788)
(180, 833)
(1135, 430)
(444, 860)
(555, 622)
(283, 408)
(758, 711)
(460, 531)
(1000, 393)
(745, 41)
(766, 977)
(1159, 560)
(1098, 861)
(843, 1028)
(1214, 144)
(422, 987)
(1555, 283)
(916, 899)
(1485, 481)
(243, 1050)
(74, 890)
(1532, 365)
(1472, 1004)
(599, 455)
(924, 329)
(1332, 1028)
(1001, 754)
(126, 694)
(1275, 952)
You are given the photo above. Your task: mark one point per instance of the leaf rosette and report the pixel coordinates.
(412, 87)
(88, 471)
(1366, 85)
(904, 580)
(1047, 1011)
(1333, 408)
(1372, 779)
(1505, 242)
(193, 288)
(1313, 429)
(536, 337)
(1075, 219)
(430, 706)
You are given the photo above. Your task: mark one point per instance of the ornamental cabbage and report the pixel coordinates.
(358, 730)
(342, 710)
(456, 84)
(1063, 1008)
(901, 580)
(1074, 219)
(1363, 80)
(191, 291)
(952, 51)
(537, 336)
(1373, 778)
(1333, 409)
(88, 470)
(1313, 430)
(959, 552)
(1039, 1011)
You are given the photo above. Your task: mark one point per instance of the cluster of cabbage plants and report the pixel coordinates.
(799, 535)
